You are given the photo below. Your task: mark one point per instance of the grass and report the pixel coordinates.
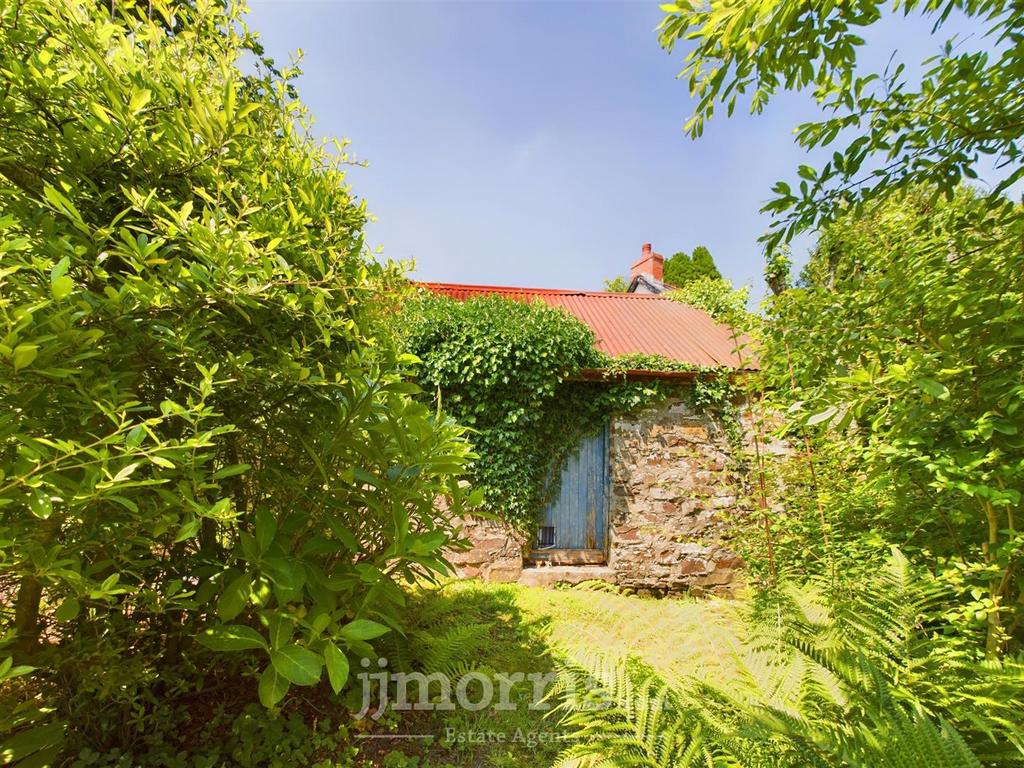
(506, 628)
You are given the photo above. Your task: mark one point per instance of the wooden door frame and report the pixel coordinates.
(597, 556)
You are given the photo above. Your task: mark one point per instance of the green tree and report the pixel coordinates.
(912, 330)
(703, 266)
(205, 434)
(893, 133)
(682, 268)
(616, 284)
(777, 270)
(929, 375)
(677, 269)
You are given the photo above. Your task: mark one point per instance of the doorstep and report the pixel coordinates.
(550, 575)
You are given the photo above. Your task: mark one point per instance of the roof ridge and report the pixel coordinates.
(549, 291)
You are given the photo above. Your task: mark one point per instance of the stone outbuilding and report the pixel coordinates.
(650, 501)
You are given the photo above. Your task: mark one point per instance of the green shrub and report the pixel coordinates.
(617, 284)
(252, 739)
(900, 354)
(500, 367)
(205, 432)
(904, 332)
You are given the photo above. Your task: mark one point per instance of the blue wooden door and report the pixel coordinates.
(576, 518)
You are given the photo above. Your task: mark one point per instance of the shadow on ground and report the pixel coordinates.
(475, 628)
(470, 633)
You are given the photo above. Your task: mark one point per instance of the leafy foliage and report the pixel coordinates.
(681, 269)
(924, 385)
(505, 369)
(718, 297)
(433, 642)
(251, 739)
(623, 715)
(617, 284)
(472, 626)
(819, 679)
(965, 107)
(205, 433)
(905, 334)
(777, 270)
(32, 736)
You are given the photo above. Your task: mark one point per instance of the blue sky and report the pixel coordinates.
(540, 143)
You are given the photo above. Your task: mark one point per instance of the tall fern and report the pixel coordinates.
(431, 642)
(860, 680)
(622, 715)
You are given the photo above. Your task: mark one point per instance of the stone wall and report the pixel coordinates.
(678, 495)
(495, 553)
(674, 480)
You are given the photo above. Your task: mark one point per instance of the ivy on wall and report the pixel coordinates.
(509, 371)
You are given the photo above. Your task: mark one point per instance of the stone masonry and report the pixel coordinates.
(678, 494)
(673, 483)
(495, 553)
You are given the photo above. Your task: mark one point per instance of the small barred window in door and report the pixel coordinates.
(546, 536)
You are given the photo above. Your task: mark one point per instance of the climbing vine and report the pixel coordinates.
(511, 372)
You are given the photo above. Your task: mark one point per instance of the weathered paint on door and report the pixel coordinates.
(578, 515)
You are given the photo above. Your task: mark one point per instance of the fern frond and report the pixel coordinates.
(623, 716)
(820, 679)
(449, 650)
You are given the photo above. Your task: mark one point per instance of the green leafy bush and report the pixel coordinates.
(904, 334)
(717, 297)
(617, 284)
(920, 387)
(252, 739)
(502, 368)
(205, 432)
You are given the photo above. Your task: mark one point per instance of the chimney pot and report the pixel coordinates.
(651, 264)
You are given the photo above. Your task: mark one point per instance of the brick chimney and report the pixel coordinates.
(651, 264)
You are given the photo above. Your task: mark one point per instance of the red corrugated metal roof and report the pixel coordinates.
(629, 323)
